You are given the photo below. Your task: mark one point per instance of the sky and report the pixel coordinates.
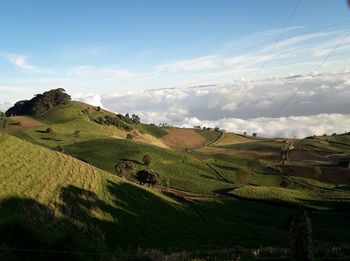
(235, 64)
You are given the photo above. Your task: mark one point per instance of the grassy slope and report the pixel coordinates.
(59, 197)
(153, 130)
(183, 171)
(217, 171)
(210, 136)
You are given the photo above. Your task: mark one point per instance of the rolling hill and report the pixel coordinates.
(216, 190)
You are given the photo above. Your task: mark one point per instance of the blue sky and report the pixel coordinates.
(106, 47)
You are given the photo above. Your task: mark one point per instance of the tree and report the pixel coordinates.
(123, 167)
(147, 176)
(146, 160)
(3, 121)
(135, 118)
(76, 134)
(301, 240)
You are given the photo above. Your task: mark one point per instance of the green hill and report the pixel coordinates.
(52, 201)
(220, 194)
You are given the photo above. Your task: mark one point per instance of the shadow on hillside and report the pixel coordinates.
(133, 161)
(28, 227)
(133, 217)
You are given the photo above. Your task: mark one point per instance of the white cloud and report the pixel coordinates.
(293, 126)
(92, 99)
(198, 64)
(21, 62)
(318, 108)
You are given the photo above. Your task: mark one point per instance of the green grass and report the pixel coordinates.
(324, 200)
(63, 133)
(70, 112)
(183, 171)
(153, 130)
(210, 136)
(264, 145)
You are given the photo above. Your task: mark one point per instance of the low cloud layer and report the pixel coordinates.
(321, 106)
(293, 126)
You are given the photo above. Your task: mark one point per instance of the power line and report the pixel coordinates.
(278, 38)
(306, 80)
(295, 35)
(273, 46)
(282, 39)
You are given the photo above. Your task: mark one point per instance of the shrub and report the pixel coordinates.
(76, 134)
(129, 136)
(146, 160)
(119, 121)
(3, 121)
(123, 167)
(49, 130)
(147, 177)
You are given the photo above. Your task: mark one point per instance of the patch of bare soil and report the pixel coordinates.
(183, 138)
(24, 123)
(333, 175)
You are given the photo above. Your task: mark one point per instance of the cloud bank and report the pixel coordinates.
(321, 106)
(293, 126)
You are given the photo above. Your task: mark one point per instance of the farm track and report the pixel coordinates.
(213, 141)
(218, 174)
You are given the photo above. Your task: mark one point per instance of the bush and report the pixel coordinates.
(118, 121)
(146, 160)
(76, 134)
(148, 176)
(3, 121)
(129, 136)
(49, 130)
(123, 167)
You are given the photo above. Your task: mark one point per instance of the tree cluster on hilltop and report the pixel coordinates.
(40, 103)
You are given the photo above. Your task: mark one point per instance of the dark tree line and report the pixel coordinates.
(40, 103)
(115, 121)
(133, 119)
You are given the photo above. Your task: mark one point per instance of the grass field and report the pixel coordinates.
(231, 138)
(60, 198)
(236, 198)
(182, 170)
(210, 136)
